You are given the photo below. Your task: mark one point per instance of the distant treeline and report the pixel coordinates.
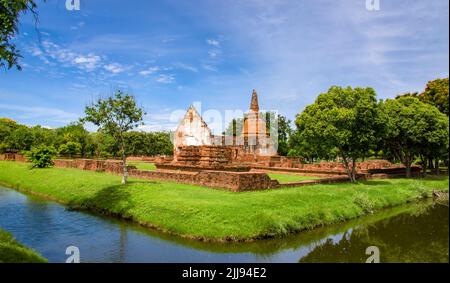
(75, 141)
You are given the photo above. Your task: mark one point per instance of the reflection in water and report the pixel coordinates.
(418, 236)
(412, 233)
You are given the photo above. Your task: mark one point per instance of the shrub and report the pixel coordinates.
(42, 156)
(420, 189)
(362, 200)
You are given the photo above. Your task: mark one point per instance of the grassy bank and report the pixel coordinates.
(142, 165)
(12, 251)
(209, 214)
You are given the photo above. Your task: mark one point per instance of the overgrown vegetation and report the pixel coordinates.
(75, 141)
(209, 214)
(41, 156)
(12, 251)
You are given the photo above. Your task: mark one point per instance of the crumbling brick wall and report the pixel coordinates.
(204, 155)
(234, 181)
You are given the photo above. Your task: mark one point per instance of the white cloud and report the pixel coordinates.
(114, 68)
(213, 42)
(88, 62)
(149, 71)
(209, 67)
(158, 127)
(77, 26)
(165, 79)
(214, 53)
(186, 67)
(68, 58)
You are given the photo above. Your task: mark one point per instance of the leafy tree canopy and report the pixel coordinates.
(10, 11)
(345, 119)
(413, 127)
(115, 116)
(436, 94)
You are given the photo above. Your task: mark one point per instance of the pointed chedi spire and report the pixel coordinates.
(254, 104)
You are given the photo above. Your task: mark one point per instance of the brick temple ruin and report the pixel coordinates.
(196, 146)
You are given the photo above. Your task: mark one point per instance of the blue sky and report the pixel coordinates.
(172, 53)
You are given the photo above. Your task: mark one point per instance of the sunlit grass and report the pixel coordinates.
(142, 165)
(205, 213)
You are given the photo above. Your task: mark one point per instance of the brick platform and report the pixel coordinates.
(109, 166)
(234, 181)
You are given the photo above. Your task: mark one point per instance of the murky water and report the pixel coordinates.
(411, 233)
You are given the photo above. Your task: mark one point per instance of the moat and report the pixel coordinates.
(411, 233)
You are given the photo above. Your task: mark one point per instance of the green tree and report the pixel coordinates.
(160, 144)
(43, 136)
(10, 12)
(137, 143)
(7, 126)
(148, 144)
(20, 139)
(234, 129)
(414, 128)
(41, 156)
(284, 132)
(70, 149)
(74, 132)
(436, 94)
(344, 119)
(309, 152)
(116, 115)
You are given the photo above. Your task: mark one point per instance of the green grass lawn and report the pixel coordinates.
(213, 214)
(288, 178)
(13, 252)
(142, 165)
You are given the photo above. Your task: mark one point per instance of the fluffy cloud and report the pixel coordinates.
(149, 71)
(114, 68)
(213, 42)
(88, 62)
(66, 57)
(165, 79)
(186, 67)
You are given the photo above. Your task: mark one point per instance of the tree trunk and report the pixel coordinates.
(353, 170)
(124, 165)
(408, 170)
(430, 163)
(423, 161)
(347, 168)
(436, 167)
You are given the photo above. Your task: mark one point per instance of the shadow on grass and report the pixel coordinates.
(112, 200)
